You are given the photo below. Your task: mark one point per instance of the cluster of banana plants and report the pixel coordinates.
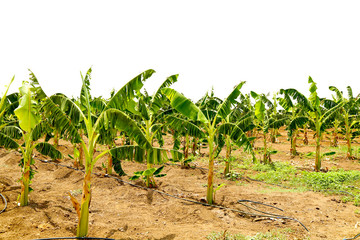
(30, 118)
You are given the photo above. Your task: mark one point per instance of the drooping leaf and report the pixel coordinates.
(62, 121)
(128, 152)
(329, 113)
(225, 108)
(158, 98)
(277, 123)
(129, 90)
(69, 107)
(8, 142)
(117, 164)
(48, 150)
(142, 108)
(98, 104)
(184, 105)
(113, 118)
(184, 126)
(239, 137)
(297, 122)
(339, 96)
(12, 132)
(299, 97)
(350, 93)
(41, 129)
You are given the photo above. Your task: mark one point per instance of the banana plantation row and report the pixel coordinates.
(30, 118)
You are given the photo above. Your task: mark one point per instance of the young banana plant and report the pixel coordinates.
(347, 116)
(97, 129)
(265, 121)
(32, 128)
(315, 116)
(151, 111)
(210, 126)
(293, 111)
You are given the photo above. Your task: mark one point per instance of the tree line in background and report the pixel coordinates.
(29, 119)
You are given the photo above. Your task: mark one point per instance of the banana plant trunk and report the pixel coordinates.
(25, 181)
(306, 139)
(83, 225)
(56, 139)
(194, 146)
(273, 135)
(210, 185)
(25, 178)
(335, 138)
(318, 139)
(265, 157)
(186, 152)
(293, 151)
(348, 139)
(110, 163)
(228, 154)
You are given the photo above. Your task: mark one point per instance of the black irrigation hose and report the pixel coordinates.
(358, 235)
(84, 238)
(240, 201)
(5, 202)
(269, 215)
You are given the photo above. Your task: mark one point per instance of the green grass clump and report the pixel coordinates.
(276, 172)
(331, 180)
(272, 235)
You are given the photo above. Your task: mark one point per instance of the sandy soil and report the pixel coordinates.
(121, 211)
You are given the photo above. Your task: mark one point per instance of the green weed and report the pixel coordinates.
(272, 235)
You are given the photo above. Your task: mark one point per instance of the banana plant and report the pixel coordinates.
(315, 116)
(347, 116)
(151, 111)
(210, 126)
(264, 120)
(293, 111)
(32, 128)
(96, 131)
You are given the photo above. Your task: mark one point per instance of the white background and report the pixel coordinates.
(269, 44)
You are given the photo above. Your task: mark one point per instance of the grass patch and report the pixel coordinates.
(330, 180)
(269, 189)
(342, 182)
(272, 235)
(276, 173)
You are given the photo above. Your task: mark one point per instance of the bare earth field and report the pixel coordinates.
(122, 211)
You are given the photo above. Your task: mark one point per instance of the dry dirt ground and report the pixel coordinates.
(122, 211)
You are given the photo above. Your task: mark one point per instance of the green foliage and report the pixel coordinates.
(276, 172)
(330, 180)
(156, 172)
(26, 111)
(184, 105)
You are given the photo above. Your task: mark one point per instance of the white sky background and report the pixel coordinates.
(269, 44)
